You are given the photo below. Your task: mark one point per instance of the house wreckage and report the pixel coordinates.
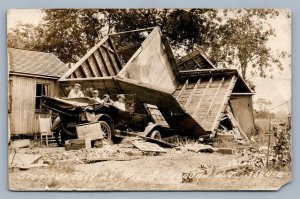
(193, 96)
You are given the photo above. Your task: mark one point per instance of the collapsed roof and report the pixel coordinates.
(205, 93)
(195, 60)
(191, 94)
(141, 61)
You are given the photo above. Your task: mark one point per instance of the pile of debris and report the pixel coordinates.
(24, 157)
(247, 162)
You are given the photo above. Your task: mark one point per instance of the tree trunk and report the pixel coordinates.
(243, 68)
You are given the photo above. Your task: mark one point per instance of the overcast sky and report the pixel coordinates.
(278, 89)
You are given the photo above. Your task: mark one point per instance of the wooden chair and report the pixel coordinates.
(45, 130)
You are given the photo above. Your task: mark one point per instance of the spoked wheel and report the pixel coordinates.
(155, 135)
(59, 137)
(106, 129)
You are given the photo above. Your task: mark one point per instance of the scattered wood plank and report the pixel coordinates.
(94, 160)
(159, 142)
(227, 151)
(147, 147)
(20, 144)
(22, 160)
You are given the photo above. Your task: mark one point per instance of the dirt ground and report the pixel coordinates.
(66, 170)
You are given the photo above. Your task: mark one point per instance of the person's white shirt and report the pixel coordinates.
(97, 99)
(72, 94)
(119, 105)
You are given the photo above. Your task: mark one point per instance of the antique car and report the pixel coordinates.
(71, 112)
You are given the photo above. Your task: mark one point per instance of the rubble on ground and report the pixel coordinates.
(131, 148)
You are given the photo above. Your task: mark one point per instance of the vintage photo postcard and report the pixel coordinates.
(149, 99)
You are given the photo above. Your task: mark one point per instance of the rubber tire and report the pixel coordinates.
(59, 137)
(155, 134)
(108, 128)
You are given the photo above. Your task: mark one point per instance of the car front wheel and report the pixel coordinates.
(106, 129)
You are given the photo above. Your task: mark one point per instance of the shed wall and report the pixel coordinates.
(23, 117)
(242, 108)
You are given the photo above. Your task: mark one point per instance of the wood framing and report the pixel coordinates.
(202, 97)
(192, 93)
(224, 103)
(182, 89)
(212, 102)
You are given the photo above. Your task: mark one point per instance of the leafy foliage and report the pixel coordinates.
(233, 38)
(242, 41)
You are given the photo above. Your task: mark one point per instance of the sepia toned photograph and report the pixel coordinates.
(149, 99)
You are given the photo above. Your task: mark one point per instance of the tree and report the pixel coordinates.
(186, 29)
(68, 33)
(25, 36)
(233, 38)
(242, 41)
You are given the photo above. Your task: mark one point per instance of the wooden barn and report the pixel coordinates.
(193, 95)
(31, 75)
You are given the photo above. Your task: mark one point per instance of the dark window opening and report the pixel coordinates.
(41, 89)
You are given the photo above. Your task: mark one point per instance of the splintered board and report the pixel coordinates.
(148, 147)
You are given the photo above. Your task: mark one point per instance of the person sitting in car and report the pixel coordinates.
(76, 92)
(120, 104)
(95, 96)
(107, 100)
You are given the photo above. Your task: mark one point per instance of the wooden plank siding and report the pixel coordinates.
(101, 61)
(24, 119)
(203, 99)
(244, 116)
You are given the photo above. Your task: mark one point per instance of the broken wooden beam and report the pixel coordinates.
(159, 142)
(147, 147)
(94, 160)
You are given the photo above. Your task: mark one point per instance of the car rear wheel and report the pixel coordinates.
(106, 129)
(155, 135)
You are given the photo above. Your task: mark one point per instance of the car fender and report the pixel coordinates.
(105, 118)
(149, 129)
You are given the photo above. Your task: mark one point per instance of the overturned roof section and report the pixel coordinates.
(172, 111)
(205, 94)
(194, 61)
(26, 62)
(240, 87)
(136, 55)
(192, 97)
